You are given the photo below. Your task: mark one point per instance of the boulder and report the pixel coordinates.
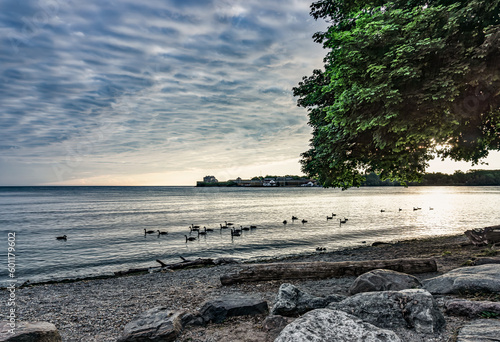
(471, 308)
(384, 280)
(483, 278)
(481, 330)
(291, 301)
(329, 325)
(158, 324)
(274, 324)
(218, 310)
(29, 332)
(415, 308)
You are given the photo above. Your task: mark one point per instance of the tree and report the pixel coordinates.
(404, 81)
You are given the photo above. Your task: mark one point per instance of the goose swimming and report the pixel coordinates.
(189, 238)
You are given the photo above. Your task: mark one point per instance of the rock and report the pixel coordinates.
(29, 332)
(384, 280)
(158, 324)
(415, 308)
(274, 324)
(291, 301)
(471, 309)
(486, 260)
(218, 310)
(481, 330)
(328, 325)
(484, 278)
(380, 243)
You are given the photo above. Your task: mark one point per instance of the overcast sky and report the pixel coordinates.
(147, 92)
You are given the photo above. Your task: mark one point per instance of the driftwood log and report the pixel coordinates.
(484, 236)
(186, 263)
(321, 270)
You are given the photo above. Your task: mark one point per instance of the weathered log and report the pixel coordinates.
(321, 270)
(132, 271)
(484, 236)
(186, 263)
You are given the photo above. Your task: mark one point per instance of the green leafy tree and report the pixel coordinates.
(403, 81)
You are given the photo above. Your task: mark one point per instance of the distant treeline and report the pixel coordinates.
(472, 177)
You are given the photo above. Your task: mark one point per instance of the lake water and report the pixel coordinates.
(105, 225)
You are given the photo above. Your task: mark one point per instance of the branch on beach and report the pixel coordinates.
(322, 270)
(484, 236)
(186, 263)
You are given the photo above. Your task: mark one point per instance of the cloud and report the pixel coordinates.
(101, 88)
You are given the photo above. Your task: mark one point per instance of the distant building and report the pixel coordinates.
(210, 179)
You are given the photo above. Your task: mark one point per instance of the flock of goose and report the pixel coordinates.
(342, 221)
(199, 231)
(234, 231)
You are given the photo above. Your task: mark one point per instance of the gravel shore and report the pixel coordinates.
(97, 310)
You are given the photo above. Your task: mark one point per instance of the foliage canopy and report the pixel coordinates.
(403, 81)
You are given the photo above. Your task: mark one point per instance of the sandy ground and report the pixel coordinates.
(97, 310)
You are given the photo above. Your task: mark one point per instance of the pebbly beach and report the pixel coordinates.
(99, 309)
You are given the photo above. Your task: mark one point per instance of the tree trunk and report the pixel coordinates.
(321, 270)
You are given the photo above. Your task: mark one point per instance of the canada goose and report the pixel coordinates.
(229, 223)
(284, 222)
(64, 237)
(148, 231)
(342, 221)
(400, 209)
(161, 233)
(244, 228)
(294, 218)
(334, 214)
(304, 221)
(222, 227)
(253, 227)
(234, 232)
(194, 227)
(208, 229)
(204, 232)
(329, 217)
(382, 210)
(189, 238)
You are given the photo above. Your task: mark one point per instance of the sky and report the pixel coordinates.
(127, 92)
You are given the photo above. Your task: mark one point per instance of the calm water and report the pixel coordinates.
(105, 225)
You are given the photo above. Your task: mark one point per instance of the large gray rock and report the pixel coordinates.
(471, 308)
(156, 325)
(481, 330)
(414, 308)
(291, 301)
(323, 325)
(218, 310)
(475, 278)
(384, 280)
(29, 332)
